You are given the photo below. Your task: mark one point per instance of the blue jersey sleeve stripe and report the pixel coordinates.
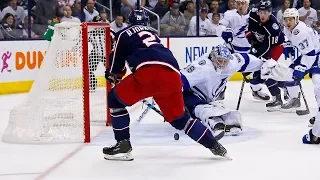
(185, 82)
(246, 62)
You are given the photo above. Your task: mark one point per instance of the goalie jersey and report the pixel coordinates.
(202, 78)
(139, 46)
(306, 40)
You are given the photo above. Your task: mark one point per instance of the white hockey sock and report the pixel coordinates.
(293, 91)
(255, 87)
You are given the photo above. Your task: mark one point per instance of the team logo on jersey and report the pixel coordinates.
(296, 31)
(275, 26)
(260, 37)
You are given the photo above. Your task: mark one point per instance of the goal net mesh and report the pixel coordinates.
(54, 109)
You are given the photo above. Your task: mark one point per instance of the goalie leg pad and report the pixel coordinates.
(119, 117)
(233, 121)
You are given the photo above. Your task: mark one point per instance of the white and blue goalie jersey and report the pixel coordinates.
(201, 76)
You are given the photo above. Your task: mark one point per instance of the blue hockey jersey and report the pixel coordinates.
(139, 45)
(264, 35)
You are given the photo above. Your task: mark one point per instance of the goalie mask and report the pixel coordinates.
(220, 57)
(291, 18)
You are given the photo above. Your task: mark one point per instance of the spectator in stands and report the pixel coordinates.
(189, 12)
(152, 3)
(286, 5)
(129, 5)
(214, 8)
(90, 11)
(16, 10)
(7, 26)
(308, 14)
(161, 8)
(76, 9)
(46, 11)
(104, 16)
(231, 5)
(67, 12)
(277, 4)
(204, 24)
(203, 4)
(118, 24)
(173, 22)
(216, 28)
(297, 3)
(23, 27)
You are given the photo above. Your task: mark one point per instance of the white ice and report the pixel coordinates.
(270, 148)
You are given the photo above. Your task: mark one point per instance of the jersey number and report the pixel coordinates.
(148, 38)
(190, 68)
(304, 44)
(274, 40)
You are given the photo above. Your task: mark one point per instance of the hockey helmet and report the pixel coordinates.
(138, 17)
(291, 12)
(220, 57)
(265, 5)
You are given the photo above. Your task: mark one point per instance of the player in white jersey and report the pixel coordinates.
(306, 41)
(205, 78)
(236, 23)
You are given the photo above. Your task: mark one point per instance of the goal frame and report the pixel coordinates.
(85, 68)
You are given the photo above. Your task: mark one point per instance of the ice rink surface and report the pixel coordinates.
(270, 148)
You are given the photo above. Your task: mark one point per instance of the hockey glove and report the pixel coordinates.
(227, 35)
(112, 78)
(288, 50)
(299, 72)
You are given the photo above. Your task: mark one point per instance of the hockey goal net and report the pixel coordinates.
(69, 93)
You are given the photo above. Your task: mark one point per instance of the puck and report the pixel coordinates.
(176, 136)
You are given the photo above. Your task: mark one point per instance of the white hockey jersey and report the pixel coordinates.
(306, 40)
(239, 24)
(202, 77)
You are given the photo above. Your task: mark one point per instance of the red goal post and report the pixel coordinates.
(68, 99)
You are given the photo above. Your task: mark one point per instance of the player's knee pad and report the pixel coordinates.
(181, 122)
(115, 106)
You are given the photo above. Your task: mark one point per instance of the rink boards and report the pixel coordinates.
(21, 60)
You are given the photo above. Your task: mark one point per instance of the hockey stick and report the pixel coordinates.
(307, 110)
(144, 113)
(243, 81)
(152, 107)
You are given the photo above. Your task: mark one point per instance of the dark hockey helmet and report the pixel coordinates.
(138, 17)
(265, 5)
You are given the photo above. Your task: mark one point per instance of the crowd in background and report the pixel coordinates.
(177, 17)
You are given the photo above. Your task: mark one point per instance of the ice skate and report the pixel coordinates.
(286, 95)
(219, 150)
(259, 95)
(291, 106)
(275, 104)
(119, 152)
(218, 131)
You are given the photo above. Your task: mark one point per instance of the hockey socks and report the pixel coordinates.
(273, 87)
(120, 122)
(200, 133)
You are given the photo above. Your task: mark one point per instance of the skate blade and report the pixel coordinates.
(259, 99)
(273, 109)
(119, 157)
(226, 157)
(291, 110)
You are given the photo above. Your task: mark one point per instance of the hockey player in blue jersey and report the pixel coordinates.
(155, 73)
(205, 78)
(265, 35)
